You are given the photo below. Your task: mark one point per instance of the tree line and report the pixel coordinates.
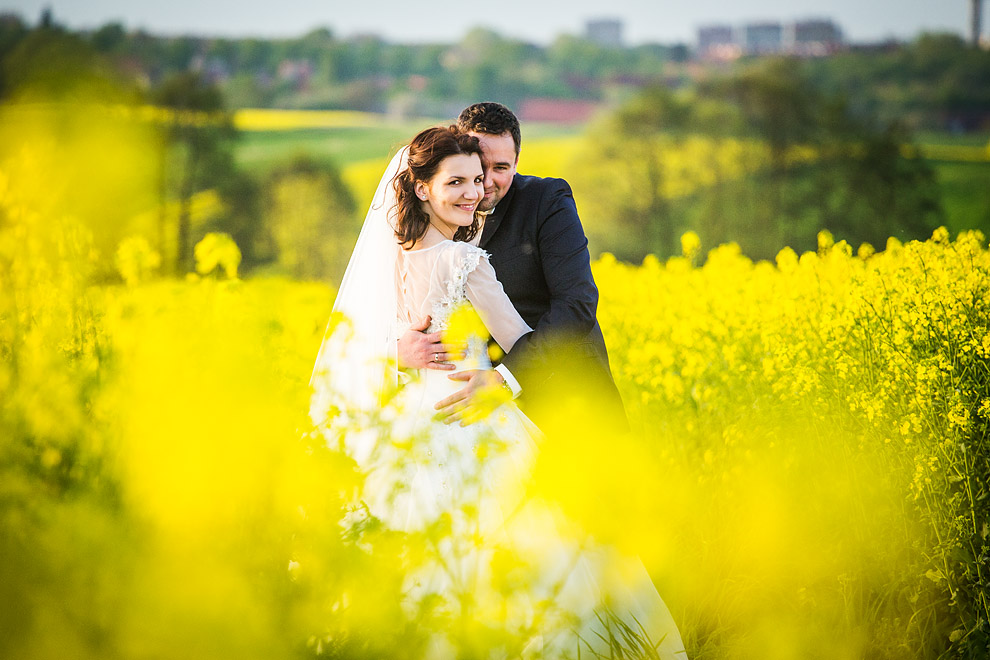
(936, 81)
(761, 158)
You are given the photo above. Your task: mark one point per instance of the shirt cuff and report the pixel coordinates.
(510, 380)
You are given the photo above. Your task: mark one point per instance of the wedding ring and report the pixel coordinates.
(436, 357)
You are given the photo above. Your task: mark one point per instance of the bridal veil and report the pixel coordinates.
(356, 365)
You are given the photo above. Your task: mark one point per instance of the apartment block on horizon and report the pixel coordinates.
(807, 38)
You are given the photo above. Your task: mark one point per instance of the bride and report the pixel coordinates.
(492, 552)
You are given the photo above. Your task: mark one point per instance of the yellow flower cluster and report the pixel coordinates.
(874, 365)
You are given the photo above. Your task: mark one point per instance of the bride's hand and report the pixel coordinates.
(419, 350)
(483, 393)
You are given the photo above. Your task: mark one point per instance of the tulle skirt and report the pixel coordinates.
(492, 552)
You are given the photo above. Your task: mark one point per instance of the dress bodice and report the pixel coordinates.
(440, 279)
(445, 287)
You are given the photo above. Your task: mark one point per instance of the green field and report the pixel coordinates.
(955, 139)
(260, 151)
(965, 195)
(359, 150)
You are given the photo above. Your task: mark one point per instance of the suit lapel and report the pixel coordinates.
(495, 219)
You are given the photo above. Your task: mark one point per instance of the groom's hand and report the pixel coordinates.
(482, 394)
(418, 349)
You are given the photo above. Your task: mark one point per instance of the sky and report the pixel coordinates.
(536, 21)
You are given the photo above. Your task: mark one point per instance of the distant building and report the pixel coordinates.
(762, 38)
(297, 72)
(214, 69)
(808, 38)
(604, 32)
(557, 111)
(814, 38)
(717, 42)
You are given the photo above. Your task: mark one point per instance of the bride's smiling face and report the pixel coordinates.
(452, 195)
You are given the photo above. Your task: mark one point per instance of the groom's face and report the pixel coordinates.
(500, 166)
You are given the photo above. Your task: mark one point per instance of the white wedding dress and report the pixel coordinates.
(489, 554)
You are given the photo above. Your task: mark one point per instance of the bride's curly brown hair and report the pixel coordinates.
(426, 151)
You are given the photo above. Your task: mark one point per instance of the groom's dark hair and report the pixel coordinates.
(492, 119)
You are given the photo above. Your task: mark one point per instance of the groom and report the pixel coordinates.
(540, 255)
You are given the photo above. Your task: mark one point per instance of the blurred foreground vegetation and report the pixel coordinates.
(807, 479)
(810, 464)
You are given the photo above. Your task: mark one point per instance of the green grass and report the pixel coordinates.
(259, 152)
(965, 186)
(965, 195)
(962, 140)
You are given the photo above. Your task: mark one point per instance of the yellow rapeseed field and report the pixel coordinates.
(264, 119)
(806, 477)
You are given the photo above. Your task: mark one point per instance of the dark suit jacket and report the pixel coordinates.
(540, 254)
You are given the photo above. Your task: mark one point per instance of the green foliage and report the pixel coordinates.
(108, 38)
(321, 70)
(856, 183)
(12, 31)
(783, 163)
(46, 65)
(629, 193)
(936, 82)
(196, 150)
(965, 195)
(311, 217)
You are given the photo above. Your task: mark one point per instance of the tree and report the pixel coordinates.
(12, 30)
(195, 149)
(761, 159)
(936, 82)
(52, 65)
(778, 107)
(826, 167)
(243, 218)
(866, 190)
(310, 218)
(625, 171)
(109, 38)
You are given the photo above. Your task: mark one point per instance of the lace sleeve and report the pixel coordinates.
(485, 293)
